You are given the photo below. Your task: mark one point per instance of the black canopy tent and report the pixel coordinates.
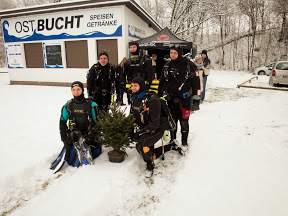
(163, 40)
(160, 43)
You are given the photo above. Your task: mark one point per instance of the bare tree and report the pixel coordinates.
(280, 8)
(8, 4)
(27, 3)
(156, 8)
(222, 11)
(188, 17)
(252, 9)
(231, 30)
(4, 4)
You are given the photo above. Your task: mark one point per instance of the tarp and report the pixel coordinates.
(163, 39)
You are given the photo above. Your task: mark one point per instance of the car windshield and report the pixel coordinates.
(282, 66)
(270, 66)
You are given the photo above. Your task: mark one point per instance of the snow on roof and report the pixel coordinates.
(80, 4)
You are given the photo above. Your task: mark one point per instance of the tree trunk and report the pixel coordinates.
(174, 10)
(222, 40)
(248, 53)
(235, 55)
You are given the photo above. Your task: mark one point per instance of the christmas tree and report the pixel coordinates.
(113, 128)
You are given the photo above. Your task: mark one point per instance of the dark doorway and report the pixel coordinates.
(34, 55)
(77, 54)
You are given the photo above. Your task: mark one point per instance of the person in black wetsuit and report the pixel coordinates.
(146, 109)
(101, 81)
(179, 82)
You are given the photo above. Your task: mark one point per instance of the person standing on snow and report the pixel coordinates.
(179, 82)
(101, 81)
(198, 62)
(118, 74)
(137, 65)
(80, 113)
(206, 63)
(146, 109)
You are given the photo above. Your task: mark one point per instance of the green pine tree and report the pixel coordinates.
(113, 128)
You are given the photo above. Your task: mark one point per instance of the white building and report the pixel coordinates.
(56, 44)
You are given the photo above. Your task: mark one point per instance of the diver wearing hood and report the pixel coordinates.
(137, 65)
(78, 114)
(146, 109)
(76, 91)
(179, 82)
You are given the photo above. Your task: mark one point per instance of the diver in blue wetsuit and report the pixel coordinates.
(78, 117)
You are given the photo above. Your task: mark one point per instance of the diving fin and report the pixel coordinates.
(59, 162)
(83, 152)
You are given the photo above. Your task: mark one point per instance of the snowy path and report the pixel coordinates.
(237, 163)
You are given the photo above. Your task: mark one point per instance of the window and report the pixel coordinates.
(34, 55)
(282, 66)
(77, 54)
(270, 66)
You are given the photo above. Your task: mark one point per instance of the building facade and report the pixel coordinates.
(56, 44)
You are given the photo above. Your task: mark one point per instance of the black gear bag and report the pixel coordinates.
(166, 122)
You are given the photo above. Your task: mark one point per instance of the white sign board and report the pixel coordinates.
(136, 32)
(14, 56)
(102, 22)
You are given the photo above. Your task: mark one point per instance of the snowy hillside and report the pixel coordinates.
(237, 163)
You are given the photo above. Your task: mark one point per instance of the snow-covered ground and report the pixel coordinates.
(237, 162)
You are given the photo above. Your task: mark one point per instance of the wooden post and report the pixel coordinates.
(240, 85)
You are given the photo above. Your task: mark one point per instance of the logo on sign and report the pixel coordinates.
(163, 37)
(147, 44)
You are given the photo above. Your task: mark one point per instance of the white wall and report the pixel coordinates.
(71, 74)
(65, 75)
(122, 41)
(133, 20)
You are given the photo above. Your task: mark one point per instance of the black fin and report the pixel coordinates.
(59, 162)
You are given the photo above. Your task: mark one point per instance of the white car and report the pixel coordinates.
(279, 74)
(264, 70)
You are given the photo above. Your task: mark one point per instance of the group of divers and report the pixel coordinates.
(157, 105)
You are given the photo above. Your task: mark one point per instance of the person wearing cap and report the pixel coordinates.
(146, 109)
(198, 62)
(206, 64)
(179, 82)
(80, 114)
(137, 65)
(154, 65)
(101, 81)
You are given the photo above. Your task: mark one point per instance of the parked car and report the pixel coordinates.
(264, 70)
(279, 74)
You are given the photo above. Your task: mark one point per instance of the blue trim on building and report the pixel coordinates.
(36, 37)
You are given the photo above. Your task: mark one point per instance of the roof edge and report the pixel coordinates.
(74, 5)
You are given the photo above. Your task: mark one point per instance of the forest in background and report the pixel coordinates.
(238, 34)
